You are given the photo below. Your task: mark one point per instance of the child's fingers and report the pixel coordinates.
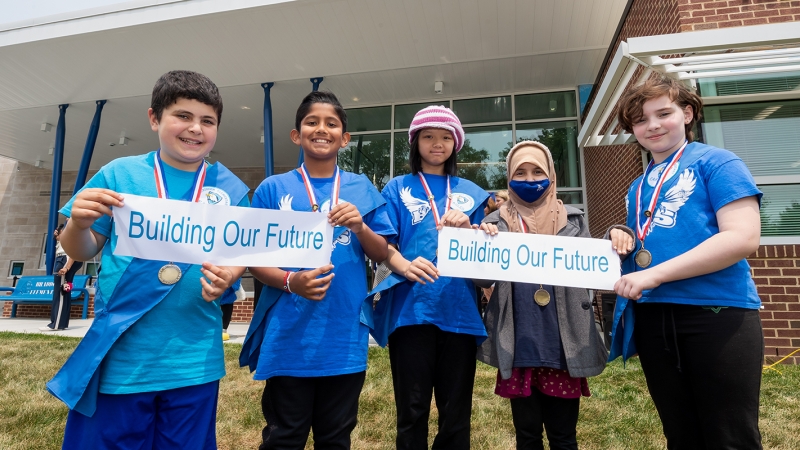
(317, 282)
(314, 273)
(220, 273)
(429, 267)
(421, 273)
(209, 291)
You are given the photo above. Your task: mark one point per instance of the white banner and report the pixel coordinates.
(179, 231)
(528, 258)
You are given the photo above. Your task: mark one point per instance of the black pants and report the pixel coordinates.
(558, 416)
(227, 315)
(292, 406)
(426, 360)
(60, 307)
(703, 370)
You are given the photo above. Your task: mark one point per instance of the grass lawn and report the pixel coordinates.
(618, 415)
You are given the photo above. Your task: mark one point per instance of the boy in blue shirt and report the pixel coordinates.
(310, 330)
(147, 373)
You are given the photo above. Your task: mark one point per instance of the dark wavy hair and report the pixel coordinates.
(320, 97)
(630, 106)
(179, 84)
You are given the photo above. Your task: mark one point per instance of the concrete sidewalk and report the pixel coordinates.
(78, 328)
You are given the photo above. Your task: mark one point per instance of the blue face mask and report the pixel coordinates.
(529, 191)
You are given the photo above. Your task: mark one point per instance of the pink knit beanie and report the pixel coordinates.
(438, 117)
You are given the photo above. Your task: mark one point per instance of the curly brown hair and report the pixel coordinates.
(629, 108)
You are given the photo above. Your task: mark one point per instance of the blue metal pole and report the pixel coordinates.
(314, 87)
(88, 149)
(269, 158)
(55, 187)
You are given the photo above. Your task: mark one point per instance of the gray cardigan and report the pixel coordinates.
(586, 355)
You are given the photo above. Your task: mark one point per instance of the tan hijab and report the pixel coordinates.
(544, 216)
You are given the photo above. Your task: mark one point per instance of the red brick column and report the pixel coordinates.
(776, 272)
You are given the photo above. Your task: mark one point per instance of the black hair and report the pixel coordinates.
(320, 97)
(178, 84)
(415, 159)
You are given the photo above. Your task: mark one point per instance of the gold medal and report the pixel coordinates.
(314, 208)
(541, 296)
(643, 258)
(169, 274)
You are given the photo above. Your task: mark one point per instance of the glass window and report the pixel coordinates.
(482, 159)
(570, 197)
(401, 149)
(15, 269)
(550, 105)
(91, 268)
(780, 210)
(367, 154)
(369, 119)
(561, 139)
(404, 114)
(765, 135)
(749, 84)
(483, 110)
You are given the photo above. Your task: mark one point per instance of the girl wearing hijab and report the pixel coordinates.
(542, 338)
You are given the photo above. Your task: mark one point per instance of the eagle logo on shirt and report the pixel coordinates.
(416, 207)
(286, 203)
(676, 196)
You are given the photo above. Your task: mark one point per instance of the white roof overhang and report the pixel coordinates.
(369, 53)
(759, 49)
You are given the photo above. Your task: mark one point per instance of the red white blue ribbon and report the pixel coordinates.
(641, 230)
(432, 199)
(522, 223)
(310, 189)
(161, 182)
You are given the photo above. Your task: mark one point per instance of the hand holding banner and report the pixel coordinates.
(528, 258)
(179, 231)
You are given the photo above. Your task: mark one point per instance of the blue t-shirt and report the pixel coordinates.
(704, 180)
(175, 344)
(306, 338)
(449, 303)
(537, 341)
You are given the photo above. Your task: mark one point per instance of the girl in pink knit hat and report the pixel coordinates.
(431, 323)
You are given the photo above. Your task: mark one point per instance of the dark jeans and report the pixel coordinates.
(558, 416)
(293, 406)
(227, 315)
(703, 370)
(426, 360)
(61, 305)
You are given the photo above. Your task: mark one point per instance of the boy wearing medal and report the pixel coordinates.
(694, 316)
(147, 373)
(309, 334)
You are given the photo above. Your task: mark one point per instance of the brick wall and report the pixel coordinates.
(242, 310)
(42, 311)
(776, 271)
(609, 170)
(706, 14)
